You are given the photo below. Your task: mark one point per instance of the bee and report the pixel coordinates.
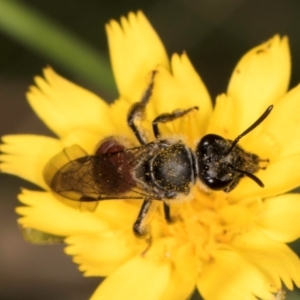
(164, 169)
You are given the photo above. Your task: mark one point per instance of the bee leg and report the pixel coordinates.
(149, 243)
(140, 227)
(137, 112)
(167, 213)
(168, 117)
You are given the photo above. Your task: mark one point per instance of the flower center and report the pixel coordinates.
(209, 221)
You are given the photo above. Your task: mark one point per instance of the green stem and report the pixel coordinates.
(46, 37)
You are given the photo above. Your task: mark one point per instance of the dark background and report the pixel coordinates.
(215, 34)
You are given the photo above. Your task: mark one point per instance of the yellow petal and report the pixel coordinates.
(274, 259)
(182, 89)
(280, 218)
(64, 106)
(229, 276)
(88, 140)
(260, 79)
(281, 130)
(138, 278)
(45, 213)
(119, 111)
(119, 212)
(277, 136)
(101, 253)
(183, 279)
(27, 155)
(135, 50)
(223, 121)
(279, 177)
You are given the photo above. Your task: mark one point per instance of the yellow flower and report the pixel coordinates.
(228, 246)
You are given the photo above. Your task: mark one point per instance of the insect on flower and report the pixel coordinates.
(163, 169)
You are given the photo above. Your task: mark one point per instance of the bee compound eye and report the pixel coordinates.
(209, 144)
(216, 184)
(209, 139)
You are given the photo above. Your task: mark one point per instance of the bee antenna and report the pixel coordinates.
(251, 176)
(254, 125)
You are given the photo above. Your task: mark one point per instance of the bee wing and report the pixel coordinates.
(75, 180)
(55, 164)
(58, 161)
(94, 178)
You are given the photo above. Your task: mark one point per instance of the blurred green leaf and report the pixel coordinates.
(46, 37)
(41, 238)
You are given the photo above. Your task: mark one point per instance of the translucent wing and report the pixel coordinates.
(58, 161)
(99, 177)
